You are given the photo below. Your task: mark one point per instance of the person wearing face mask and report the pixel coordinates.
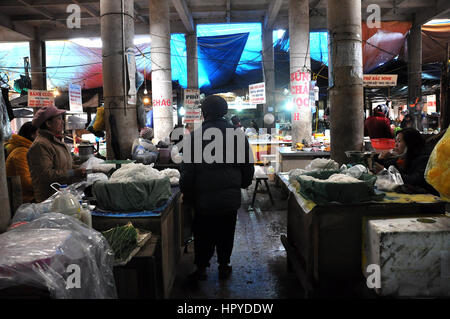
(49, 158)
(410, 156)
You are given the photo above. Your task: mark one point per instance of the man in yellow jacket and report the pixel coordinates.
(16, 162)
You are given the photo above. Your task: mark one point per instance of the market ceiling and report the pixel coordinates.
(23, 20)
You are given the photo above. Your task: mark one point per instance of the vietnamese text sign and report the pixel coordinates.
(300, 90)
(75, 100)
(39, 98)
(431, 104)
(257, 93)
(379, 80)
(191, 98)
(192, 115)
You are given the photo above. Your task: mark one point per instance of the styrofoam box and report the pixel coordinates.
(413, 255)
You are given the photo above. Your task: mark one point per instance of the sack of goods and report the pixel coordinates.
(325, 186)
(133, 187)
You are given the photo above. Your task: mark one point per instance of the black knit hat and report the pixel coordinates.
(214, 106)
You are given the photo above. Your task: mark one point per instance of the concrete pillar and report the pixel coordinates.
(119, 109)
(269, 73)
(5, 211)
(161, 69)
(192, 60)
(415, 73)
(346, 89)
(301, 116)
(37, 62)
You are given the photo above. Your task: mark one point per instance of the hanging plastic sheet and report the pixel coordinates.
(60, 254)
(5, 132)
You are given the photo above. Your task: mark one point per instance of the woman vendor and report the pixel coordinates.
(410, 157)
(49, 158)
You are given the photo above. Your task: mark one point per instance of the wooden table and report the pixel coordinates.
(141, 276)
(167, 225)
(324, 242)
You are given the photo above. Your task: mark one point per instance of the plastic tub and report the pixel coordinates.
(382, 144)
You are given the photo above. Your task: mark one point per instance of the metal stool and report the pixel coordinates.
(261, 177)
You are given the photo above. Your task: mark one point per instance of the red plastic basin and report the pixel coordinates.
(382, 144)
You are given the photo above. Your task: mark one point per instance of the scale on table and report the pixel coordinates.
(358, 157)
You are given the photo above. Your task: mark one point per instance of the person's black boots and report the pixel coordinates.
(224, 272)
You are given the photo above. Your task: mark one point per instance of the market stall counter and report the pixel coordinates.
(164, 221)
(290, 159)
(324, 241)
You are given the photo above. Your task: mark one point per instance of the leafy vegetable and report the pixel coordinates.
(122, 240)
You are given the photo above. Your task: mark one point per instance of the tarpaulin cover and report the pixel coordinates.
(131, 196)
(434, 39)
(43, 253)
(229, 55)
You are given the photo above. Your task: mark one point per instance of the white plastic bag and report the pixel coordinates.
(322, 163)
(388, 179)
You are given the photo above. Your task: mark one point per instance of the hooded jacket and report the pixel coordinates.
(17, 164)
(377, 126)
(50, 161)
(215, 188)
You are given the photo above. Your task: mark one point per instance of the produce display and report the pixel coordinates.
(122, 240)
(141, 173)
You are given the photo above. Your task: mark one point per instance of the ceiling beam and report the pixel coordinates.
(91, 12)
(14, 32)
(272, 12)
(43, 12)
(440, 8)
(137, 8)
(185, 14)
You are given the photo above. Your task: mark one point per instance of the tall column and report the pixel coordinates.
(117, 31)
(161, 69)
(269, 73)
(192, 60)
(346, 89)
(415, 73)
(37, 62)
(301, 116)
(5, 212)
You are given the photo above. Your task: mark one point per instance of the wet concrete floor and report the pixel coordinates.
(258, 259)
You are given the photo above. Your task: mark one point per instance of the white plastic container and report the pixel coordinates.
(66, 203)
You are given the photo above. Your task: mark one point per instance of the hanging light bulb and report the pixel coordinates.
(145, 91)
(146, 100)
(56, 92)
(182, 111)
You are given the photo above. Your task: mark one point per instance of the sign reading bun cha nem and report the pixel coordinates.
(370, 80)
(40, 98)
(300, 86)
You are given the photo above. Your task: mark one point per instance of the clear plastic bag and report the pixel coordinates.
(58, 253)
(388, 179)
(5, 131)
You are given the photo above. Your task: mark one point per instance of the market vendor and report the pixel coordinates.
(49, 158)
(410, 157)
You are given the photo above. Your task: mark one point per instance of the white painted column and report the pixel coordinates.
(161, 69)
(119, 106)
(301, 116)
(269, 73)
(346, 73)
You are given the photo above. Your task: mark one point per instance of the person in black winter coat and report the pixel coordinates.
(213, 187)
